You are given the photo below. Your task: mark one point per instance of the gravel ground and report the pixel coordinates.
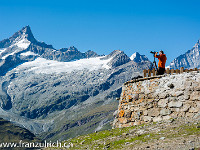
(172, 136)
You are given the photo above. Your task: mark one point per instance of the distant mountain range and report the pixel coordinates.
(189, 60)
(58, 94)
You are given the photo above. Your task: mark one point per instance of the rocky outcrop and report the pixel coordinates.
(159, 99)
(63, 55)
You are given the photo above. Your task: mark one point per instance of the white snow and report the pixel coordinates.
(28, 53)
(133, 56)
(23, 43)
(4, 57)
(2, 50)
(41, 65)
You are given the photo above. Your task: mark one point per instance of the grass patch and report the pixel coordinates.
(128, 137)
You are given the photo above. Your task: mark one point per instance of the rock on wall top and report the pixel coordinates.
(159, 99)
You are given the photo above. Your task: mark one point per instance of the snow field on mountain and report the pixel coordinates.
(28, 53)
(41, 65)
(23, 43)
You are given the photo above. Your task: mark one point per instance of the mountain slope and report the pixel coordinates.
(59, 94)
(177, 134)
(13, 133)
(189, 60)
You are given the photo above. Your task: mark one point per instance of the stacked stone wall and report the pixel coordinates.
(159, 99)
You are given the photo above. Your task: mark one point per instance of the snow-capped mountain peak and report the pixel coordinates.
(23, 41)
(41, 65)
(189, 60)
(136, 57)
(16, 43)
(24, 33)
(22, 47)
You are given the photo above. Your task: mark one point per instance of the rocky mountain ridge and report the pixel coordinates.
(189, 60)
(23, 47)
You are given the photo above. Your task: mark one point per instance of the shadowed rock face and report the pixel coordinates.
(13, 133)
(55, 104)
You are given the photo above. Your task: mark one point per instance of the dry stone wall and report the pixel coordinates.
(159, 99)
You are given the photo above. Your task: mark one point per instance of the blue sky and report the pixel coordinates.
(107, 25)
